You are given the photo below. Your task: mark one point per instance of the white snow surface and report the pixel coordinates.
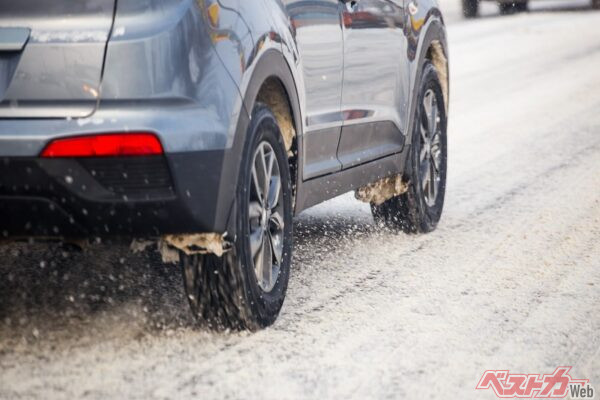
(510, 280)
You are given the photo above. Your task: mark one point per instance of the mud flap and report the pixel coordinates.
(381, 191)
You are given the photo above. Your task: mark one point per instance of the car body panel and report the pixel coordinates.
(425, 27)
(317, 30)
(374, 93)
(58, 69)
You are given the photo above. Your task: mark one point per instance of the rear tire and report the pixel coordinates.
(470, 8)
(419, 209)
(512, 7)
(523, 6)
(243, 290)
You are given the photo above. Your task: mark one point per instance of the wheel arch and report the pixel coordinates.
(433, 47)
(271, 82)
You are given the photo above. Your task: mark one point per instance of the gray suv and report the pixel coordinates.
(202, 127)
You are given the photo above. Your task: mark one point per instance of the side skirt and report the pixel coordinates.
(318, 190)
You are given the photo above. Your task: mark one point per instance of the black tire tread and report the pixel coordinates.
(470, 8)
(223, 296)
(512, 7)
(218, 305)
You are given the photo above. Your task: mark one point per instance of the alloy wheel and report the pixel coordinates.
(430, 155)
(265, 213)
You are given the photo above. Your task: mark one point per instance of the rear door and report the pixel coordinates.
(376, 73)
(317, 29)
(51, 56)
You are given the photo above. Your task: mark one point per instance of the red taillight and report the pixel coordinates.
(105, 145)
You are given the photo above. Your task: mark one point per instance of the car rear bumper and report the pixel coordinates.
(133, 196)
(189, 189)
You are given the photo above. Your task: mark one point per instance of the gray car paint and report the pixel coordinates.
(58, 73)
(184, 70)
(319, 39)
(374, 102)
(162, 75)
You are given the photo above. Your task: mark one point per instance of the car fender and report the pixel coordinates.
(427, 32)
(247, 40)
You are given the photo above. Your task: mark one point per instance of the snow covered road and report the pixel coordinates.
(510, 280)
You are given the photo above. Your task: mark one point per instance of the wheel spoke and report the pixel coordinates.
(277, 246)
(435, 136)
(276, 221)
(276, 226)
(427, 106)
(435, 163)
(256, 243)
(435, 139)
(255, 210)
(436, 151)
(274, 190)
(432, 183)
(423, 154)
(426, 174)
(423, 130)
(256, 183)
(267, 264)
(267, 164)
(260, 170)
(433, 118)
(424, 123)
(258, 266)
(271, 163)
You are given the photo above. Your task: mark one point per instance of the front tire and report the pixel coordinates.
(419, 209)
(245, 289)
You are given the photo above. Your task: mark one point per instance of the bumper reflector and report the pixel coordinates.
(105, 145)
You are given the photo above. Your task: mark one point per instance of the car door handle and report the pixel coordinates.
(350, 4)
(413, 8)
(13, 39)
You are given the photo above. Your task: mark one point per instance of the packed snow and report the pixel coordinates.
(510, 280)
